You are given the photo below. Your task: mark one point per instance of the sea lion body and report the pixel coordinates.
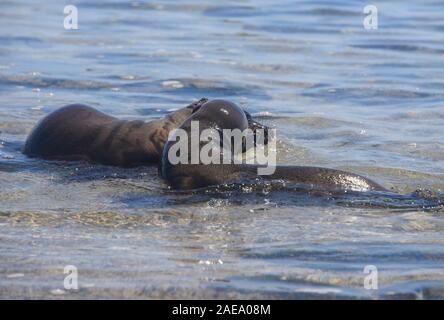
(79, 132)
(226, 115)
(191, 176)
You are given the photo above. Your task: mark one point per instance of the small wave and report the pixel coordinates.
(232, 11)
(43, 82)
(214, 88)
(400, 47)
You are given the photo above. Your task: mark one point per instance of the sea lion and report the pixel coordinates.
(226, 115)
(79, 132)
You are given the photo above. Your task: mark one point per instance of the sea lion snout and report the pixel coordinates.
(258, 129)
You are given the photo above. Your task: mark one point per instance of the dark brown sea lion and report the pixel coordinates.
(226, 115)
(79, 132)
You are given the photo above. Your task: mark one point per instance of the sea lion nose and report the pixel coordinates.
(259, 128)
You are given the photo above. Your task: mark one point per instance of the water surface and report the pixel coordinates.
(370, 102)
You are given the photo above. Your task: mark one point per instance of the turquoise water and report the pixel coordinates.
(367, 101)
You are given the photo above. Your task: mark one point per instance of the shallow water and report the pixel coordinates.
(370, 102)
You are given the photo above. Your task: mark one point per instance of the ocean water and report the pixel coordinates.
(340, 96)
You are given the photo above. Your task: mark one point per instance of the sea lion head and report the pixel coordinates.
(219, 105)
(221, 113)
(218, 115)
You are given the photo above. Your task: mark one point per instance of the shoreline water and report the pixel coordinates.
(340, 96)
